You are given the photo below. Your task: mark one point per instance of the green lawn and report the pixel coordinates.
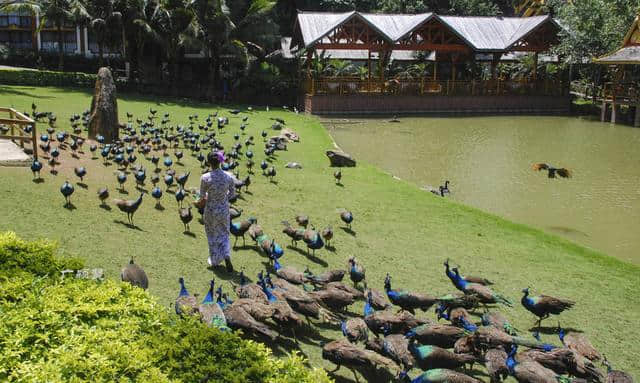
(398, 228)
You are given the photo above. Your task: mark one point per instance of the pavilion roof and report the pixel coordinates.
(482, 34)
(629, 53)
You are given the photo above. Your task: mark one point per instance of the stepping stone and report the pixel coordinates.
(12, 155)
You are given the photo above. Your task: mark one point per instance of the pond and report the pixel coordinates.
(489, 163)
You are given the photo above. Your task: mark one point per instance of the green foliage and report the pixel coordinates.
(47, 78)
(67, 329)
(37, 257)
(593, 27)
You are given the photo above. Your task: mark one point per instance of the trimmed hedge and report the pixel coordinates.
(63, 329)
(47, 78)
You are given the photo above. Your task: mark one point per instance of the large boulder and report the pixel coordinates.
(103, 118)
(340, 159)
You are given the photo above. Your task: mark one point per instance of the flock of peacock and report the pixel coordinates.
(388, 342)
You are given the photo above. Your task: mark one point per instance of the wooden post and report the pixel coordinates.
(309, 77)
(613, 110)
(494, 65)
(603, 110)
(535, 66)
(369, 71)
(435, 69)
(636, 120)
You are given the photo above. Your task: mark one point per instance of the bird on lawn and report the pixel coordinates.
(122, 178)
(552, 171)
(313, 240)
(407, 300)
(185, 303)
(264, 165)
(168, 180)
(440, 375)
(445, 188)
(185, 217)
(543, 306)
(279, 120)
(67, 189)
(80, 172)
(103, 194)
(181, 179)
(156, 193)
(239, 229)
(134, 275)
(338, 176)
(579, 343)
(36, 166)
(347, 217)
(180, 195)
(271, 172)
(302, 220)
(484, 294)
(129, 206)
(615, 376)
(327, 235)
(293, 233)
(357, 272)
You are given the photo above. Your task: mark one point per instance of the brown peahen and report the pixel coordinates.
(333, 298)
(129, 206)
(368, 363)
(326, 277)
(441, 335)
(239, 319)
(387, 321)
(185, 217)
(395, 347)
(579, 343)
(355, 330)
(615, 376)
(293, 233)
(495, 361)
(135, 275)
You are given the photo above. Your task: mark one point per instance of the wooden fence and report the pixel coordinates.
(424, 86)
(20, 128)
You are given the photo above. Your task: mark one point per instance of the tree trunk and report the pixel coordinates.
(60, 23)
(139, 58)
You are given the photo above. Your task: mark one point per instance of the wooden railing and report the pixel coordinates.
(621, 92)
(424, 86)
(20, 128)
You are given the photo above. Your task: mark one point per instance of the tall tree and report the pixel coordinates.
(173, 23)
(58, 11)
(106, 24)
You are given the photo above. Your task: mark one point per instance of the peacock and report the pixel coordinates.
(103, 194)
(428, 357)
(129, 206)
(180, 196)
(122, 178)
(156, 193)
(338, 177)
(186, 303)
(529, 370)
(357, 272)
(441, 335)
(579, 343)
(347, 217)
(407, 300)
(290, 274)
(543, 306)
(440, 375)
(369, 363)
(185, 217)
(210, 311)
(484, 293)
(313, 240)
(67, 190)
(293, 233)
(616, 376)
(355, 330)
(498, 321)
(393, 346)
(552, 170)
(239, 229)
(327, 235)
(135, 275)
(36, 166)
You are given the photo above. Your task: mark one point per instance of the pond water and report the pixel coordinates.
(489, 163)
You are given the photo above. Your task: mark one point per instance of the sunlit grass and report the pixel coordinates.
(398, 228)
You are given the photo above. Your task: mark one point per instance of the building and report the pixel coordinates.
(624, 89)
(19, 32)
(448, 43)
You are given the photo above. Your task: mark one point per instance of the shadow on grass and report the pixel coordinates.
(348, 231)
(82, 185)
(38, 180)
(330, 248)
(122, 191)
(158, 206)
(549, 330)
(70, 206)
(127, 224)
(189, 234)
(104, 206)
(9, 90)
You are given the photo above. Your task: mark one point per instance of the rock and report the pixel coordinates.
(92, 274)
(293, 165)
(103, 118)
(290, 135)
(340, 159)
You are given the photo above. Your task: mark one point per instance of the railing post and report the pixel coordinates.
(473, 87)
(33, 140)
(447, 87)
(421, 85)
(12, 125)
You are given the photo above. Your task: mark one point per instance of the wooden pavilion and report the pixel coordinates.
(450, 42)
(623, 90)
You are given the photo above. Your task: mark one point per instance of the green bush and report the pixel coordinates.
(66, 329)
(47, 78)
(37, 257)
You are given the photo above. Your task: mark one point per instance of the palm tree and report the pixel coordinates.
(226, 28)
(139, 16)
(106, 23)
(173, 23)
(58, 11)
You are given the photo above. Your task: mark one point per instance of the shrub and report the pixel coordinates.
(66, 329)
(47, 78)
(36, 257)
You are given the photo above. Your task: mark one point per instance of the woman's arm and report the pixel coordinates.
(203, 194)
(232, 190)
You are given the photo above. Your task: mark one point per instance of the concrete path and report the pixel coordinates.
(12, 155)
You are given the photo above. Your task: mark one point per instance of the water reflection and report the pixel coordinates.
(488, 161)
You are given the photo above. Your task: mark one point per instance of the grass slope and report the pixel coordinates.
(398, 229)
